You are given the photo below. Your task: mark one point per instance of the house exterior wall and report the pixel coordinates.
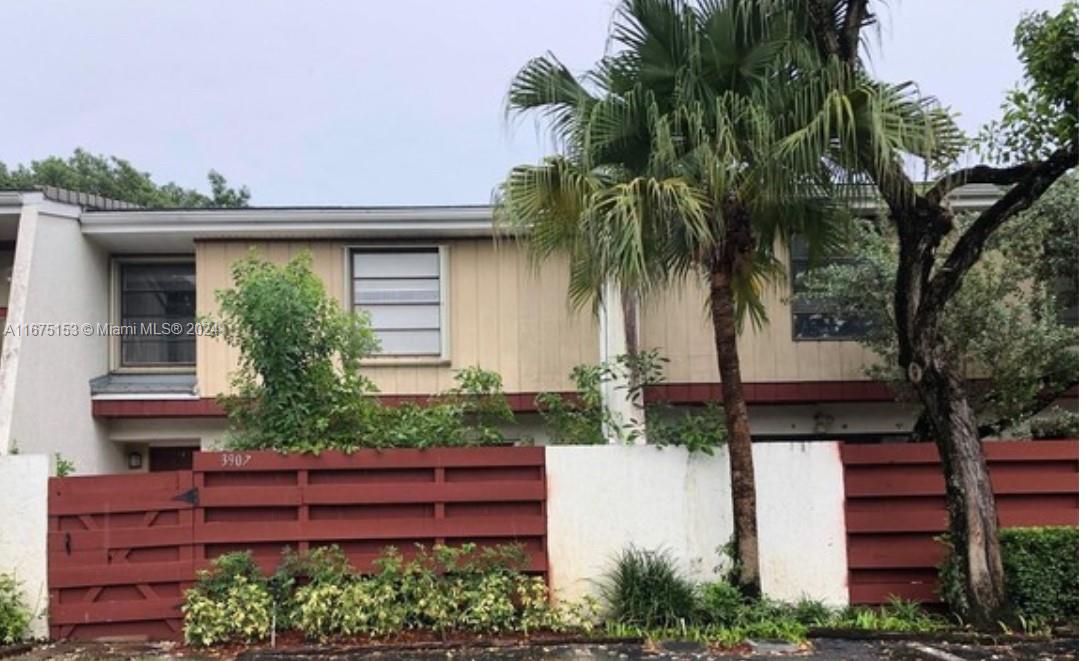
(504, 315)
(677, 321)
(67, 283)
(510, 316)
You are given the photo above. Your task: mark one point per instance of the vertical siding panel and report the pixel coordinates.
(489, 303)
(508, 320)
(528, 312)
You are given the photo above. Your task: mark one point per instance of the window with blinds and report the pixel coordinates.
(400, 288)
(158, 313)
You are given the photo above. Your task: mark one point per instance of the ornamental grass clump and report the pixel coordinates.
(645, 589)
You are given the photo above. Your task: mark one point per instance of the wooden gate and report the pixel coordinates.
(895, 508)
(122, 549)
(120, 554)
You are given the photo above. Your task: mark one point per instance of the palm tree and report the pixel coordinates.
(685, 151)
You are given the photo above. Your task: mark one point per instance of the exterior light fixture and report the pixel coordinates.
(135, 460)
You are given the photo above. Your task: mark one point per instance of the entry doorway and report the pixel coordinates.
(170, 459)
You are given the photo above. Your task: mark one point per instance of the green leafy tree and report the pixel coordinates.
(299, 385)
(936, 253)
(1006, 326)
(118, 179)
(706, 136)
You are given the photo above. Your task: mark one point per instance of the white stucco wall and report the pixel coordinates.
(604, 498)
(23, 526)
(66, 281)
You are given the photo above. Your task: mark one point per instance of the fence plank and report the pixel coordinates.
(111, 538)
(895, 508)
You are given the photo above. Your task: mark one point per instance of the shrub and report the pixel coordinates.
(644, 588)
(230, 602)
(15, 615)
(702, 430)
(299, 386)
(1060, 424)
(1041, 567)
(440, 589)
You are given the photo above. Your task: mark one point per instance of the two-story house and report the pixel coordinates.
(82, 272)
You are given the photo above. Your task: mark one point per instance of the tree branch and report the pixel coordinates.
(1043, 400)
(970, 246)
(980, 174)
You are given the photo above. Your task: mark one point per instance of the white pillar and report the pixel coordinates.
(17, 299)
(628, 413)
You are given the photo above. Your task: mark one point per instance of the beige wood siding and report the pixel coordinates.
(503, 314)
(677, 322)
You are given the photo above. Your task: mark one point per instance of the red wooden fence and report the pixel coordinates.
(895, 507)
(123, 548)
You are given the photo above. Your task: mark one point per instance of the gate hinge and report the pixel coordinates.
(192, 497)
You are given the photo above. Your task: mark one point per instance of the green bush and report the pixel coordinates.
(700, 430)
(320, 594)
(15, 616)
(447, 588)
(1041, 567)
(230, 602)
(645, 589)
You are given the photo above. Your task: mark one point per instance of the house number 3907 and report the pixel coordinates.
(236, 459)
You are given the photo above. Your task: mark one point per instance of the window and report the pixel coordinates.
(400, 288)
(811, 318)
(157, 314)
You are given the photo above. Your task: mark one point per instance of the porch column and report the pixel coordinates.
(628, 411)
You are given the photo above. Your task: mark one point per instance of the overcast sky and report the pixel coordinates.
(322, 102)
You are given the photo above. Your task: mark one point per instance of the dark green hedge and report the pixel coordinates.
(1041, 574)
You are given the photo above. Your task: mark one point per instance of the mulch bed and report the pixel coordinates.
(12, 650)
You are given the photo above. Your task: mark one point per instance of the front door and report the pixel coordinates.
(171, 459)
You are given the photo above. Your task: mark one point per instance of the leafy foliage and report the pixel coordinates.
(15, 615)
(118, 179)
(722, 615)
(1041, 566)
(587, 420)
(1041, 115)
(646, 589)
(300, 386)
(463, 588)
(230, 602)
(64, 467)
(1005, 324)
(702, 430)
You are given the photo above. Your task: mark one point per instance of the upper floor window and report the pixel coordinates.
(401, 289)
(813, 319)
(157, 313)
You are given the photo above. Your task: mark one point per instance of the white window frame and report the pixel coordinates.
(116, 262)
(445, 357)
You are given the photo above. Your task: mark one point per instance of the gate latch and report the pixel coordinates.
(192, 497)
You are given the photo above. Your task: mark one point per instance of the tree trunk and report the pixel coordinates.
(973, 519)
(746, 571)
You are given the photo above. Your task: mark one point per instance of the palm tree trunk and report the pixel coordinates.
(746, 571)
